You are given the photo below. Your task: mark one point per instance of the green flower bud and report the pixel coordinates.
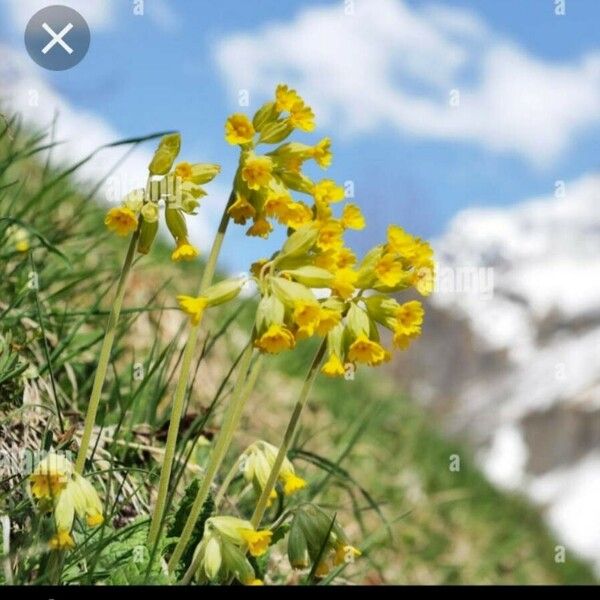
(267, 113)
(296, 181)
(150, 212)
(297, 546)
(148, 233)
(176, 223)
(300, 242)
(311, 276)
(290, 291)
(275, 132)
(358, 320)
(224, 291)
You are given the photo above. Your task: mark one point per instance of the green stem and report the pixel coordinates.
(235, 469)
(104, 357)
(182, 383)
(263, 501)
(242, 389)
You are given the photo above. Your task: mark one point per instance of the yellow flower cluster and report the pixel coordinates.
(256, 463)
(221, 554)
(264, 183)
(178, 186)
(57, 488)
(403, 262)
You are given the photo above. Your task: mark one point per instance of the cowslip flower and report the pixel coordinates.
(221, 554)
(264, 183)
(56, 487)
(176, 186)
(256, 463)
(219, 293)
(314, 536)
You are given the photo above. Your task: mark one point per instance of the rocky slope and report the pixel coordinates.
(510, 357)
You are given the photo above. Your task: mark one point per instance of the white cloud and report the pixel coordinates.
(389, 64)
(99, 14)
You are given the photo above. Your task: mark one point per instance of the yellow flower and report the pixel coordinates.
(254, 582)
(184, 171)
(184, 251)
(260, 228)
(241, 210)
(352, 217)
(343, 282)
(302, 117)
(94, 519)
(193, 306)
(364, 350)
(344, 257)
(297, 214)
(423, 280)
(239, 129)
(327, 191)
(276, 339)
(276, 205)
(258, 541)
(333, 367)
(409, 317)
(344, 553)
(292, 483)
(328, 319)
(306, 314)
(322, 569)
(286, 98)
(256, 171)
(22, 246)
(330, 235)
(321, 153)
(389, 270)
(403, 340)
(62, 541)
(121, 220)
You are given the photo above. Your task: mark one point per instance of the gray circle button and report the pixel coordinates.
(57, 38)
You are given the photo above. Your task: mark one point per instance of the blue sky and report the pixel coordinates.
(181, 64)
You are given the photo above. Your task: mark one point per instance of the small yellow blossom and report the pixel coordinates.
(254, 582)
(328, 192)
(321, 153)
(239, 129)
(331, 235)
(62, 541)
(389, 270)
(343, 282)
(333, 367)
(302, 117)
(344, 553)
(286, 98)
(328, 319)
(241, 210)
(121, 220)
(292, 483)
(260, 228)
(352, 217)
(409, 317)
(296, 215)
(258, 541)
(276, 205)
(256, 171)
(276, 339)
(184, 251)
(193, 306)
(184, 171)
(364, 350)
(307, 316)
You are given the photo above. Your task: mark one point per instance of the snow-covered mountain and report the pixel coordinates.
(510, 356)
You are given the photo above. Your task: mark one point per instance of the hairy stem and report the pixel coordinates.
(182, 383)
(261, 505)
(242, 389)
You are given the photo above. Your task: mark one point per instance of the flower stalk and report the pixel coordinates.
(105, 352)
(242, 389)
(180, 391)
(290, 431)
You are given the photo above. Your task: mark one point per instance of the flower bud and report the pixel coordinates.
(275, 132)
(176, 223)
(224, 291)
(300, 242)
(165, 155)
(148, 233)
(267, 113)
(358, 320)
(290, 291)
(150, 212)
(311, 276)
